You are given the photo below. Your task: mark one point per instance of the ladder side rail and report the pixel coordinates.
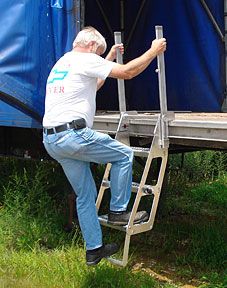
(155, 152)
(146, 226)
(158, 189)
(124, 260)
(143, 180)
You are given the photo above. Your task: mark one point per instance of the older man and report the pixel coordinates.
(68, 136)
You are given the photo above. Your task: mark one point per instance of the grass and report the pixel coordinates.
(35, 251)
(188, 240)
(65, 268)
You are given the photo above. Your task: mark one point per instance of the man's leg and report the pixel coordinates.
(103, 149)
(69, 149)
(80, 177)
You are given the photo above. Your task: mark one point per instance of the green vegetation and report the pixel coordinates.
(188, 242)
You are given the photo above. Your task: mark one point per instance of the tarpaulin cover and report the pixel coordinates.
(34, 34)
(194, 60)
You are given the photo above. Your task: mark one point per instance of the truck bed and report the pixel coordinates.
(201, 130)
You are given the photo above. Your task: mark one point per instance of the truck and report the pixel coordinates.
(178, 103)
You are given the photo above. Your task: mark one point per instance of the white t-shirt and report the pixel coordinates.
(71, 88)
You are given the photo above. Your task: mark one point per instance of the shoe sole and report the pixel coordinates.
(92, 263)
(115, 223)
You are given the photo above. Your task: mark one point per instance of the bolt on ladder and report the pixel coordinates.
(158, 149)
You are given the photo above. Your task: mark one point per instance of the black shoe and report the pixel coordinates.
(93, 257)
(122, 218)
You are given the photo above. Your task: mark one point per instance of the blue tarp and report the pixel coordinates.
(35, 33)
(195, 61)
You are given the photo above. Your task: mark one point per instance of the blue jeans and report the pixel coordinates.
(74, 150)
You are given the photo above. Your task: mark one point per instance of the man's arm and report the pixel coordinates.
(138, 65)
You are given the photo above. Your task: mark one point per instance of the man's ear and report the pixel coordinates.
(92, 45)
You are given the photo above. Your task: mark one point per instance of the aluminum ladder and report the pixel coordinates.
(158, 149)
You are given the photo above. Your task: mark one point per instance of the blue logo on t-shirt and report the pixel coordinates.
(57, 75)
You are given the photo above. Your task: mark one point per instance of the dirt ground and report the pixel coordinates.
(165, 272)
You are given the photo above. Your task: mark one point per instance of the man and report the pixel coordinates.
(68, 137)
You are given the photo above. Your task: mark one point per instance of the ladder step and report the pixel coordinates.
(140, 151)
(135, 229)
(103, 221)
(142, 226)
(147, 189)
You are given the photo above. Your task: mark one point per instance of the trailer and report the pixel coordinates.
(178, 104)
(36, 33)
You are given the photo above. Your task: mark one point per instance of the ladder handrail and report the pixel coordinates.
(120, 82)
(162, 93)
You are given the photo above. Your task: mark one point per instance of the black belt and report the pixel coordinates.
(75, 124)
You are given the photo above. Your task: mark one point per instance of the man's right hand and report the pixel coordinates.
(158, 46)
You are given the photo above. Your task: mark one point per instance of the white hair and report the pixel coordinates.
(88, 34)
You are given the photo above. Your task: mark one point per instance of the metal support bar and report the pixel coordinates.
(122, 18)
(82, 13)
(120, 82)
(134, 24)
(223, 39)
(162, 93)
(77, 15)
(214, 22)
(105, 18)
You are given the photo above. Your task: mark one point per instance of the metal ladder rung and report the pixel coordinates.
(147, 189)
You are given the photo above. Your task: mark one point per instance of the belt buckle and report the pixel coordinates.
(75, 125)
